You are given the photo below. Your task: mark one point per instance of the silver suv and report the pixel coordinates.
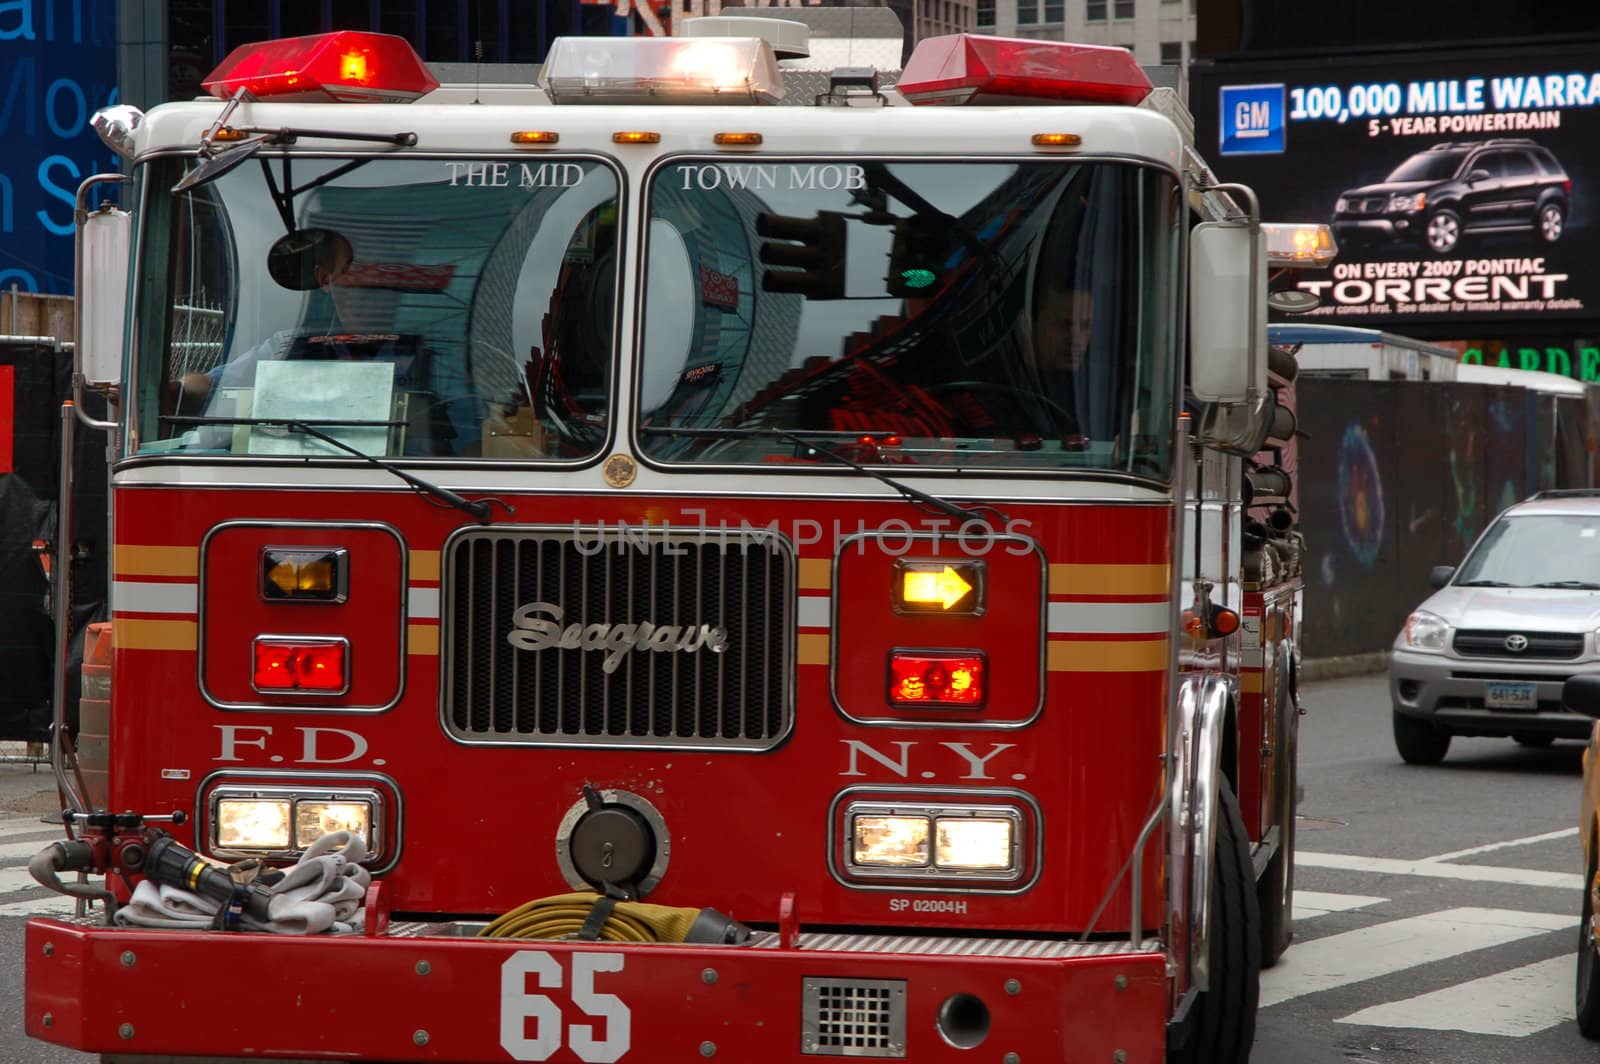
(1488, 652)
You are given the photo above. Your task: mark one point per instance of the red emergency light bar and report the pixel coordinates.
(346, 66)
(964, 68)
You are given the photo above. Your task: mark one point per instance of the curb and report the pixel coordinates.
(1313, 669)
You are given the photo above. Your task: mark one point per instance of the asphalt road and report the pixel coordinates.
(1435, 924)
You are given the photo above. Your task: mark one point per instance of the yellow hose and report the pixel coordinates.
(563, 916)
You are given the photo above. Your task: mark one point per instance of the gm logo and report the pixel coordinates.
(1252, 120)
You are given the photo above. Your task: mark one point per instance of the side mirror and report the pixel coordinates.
(1227, 312)
(1477, 175)
(1440, 575)
(103, 294)
(1581, 694)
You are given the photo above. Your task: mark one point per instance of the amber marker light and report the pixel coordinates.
(1056, 140)
(353, 66)
(951, 588)
(304, 575)
(737, 139)
(1224, 621)
(228, 133)
(534, 136)
(635, 136)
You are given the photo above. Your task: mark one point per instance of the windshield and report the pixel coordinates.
(409, 307)
(1428, 166)
(992, 314)
(1552, 550)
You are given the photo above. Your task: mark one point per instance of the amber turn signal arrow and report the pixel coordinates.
(946, 587)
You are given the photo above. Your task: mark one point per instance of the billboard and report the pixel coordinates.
(58, 65)
(1462, 187)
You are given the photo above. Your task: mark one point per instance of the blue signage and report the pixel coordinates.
(58, 65)
(1252, 119)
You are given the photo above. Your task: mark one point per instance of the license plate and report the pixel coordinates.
(1511, 696)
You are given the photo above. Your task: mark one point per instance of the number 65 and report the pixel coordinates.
(517, 1006)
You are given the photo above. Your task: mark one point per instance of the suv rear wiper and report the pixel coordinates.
(478, 508)
(1581, 585)
(800, 439)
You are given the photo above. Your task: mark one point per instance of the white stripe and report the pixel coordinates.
(25, 850)
(1119, 617)
(30, 825)
(815, 611)
(1517, 1003)
(1523, 877)
(1310, 904)
(422, 602)
(1530, 840)
(1394, 946)
(136, 596)
(49, 905)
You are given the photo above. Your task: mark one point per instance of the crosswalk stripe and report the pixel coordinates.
(1310, 904)
(29, 825)
(1395, 945)
(1515, 1003)
(25, 850)
(1523, 877)
(49, 905)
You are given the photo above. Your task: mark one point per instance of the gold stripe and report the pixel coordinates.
(813, 649)
(422, 639)
(425, 565)
(194, 872)
(1085, 655)
(129, 560)
(129, 634)
(1250, 683)
(1110, 579)
(816, 574)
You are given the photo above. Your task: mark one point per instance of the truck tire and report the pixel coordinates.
(1419, 742)
(1223, 1020)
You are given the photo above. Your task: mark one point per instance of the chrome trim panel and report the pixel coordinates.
(957, 883)
(1211, 696)
(842, 1017)
(606, 578)
(281, 707)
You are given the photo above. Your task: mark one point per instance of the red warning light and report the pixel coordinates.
(346, 66)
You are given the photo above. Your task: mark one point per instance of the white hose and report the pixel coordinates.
(322, 891)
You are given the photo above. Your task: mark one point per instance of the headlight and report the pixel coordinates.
(281, 821)
(891, 841)
(1426, 631)
(1342, 205)
(1410, 202)
(253, 824)
(979, 843)
(934, 841)
(312, 820)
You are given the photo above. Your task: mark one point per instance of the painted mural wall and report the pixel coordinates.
(1399, 476)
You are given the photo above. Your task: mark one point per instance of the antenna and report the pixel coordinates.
(477, 53)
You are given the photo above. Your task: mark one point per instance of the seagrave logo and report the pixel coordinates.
(531, 631)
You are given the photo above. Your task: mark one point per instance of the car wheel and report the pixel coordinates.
(1419, 742)
(1552, 222)
(1588, 989)
(1534, 739)
(1443, 232)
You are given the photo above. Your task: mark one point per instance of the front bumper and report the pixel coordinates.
(415, 993)
(1371, 228)
(1450, 691)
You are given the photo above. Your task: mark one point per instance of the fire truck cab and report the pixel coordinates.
(736, 581)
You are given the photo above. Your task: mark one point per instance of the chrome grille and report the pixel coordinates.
(1487, 643)
(611, 582)
(853, 1017)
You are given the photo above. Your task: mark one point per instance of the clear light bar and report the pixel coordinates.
(1292, 244)
(675, 70)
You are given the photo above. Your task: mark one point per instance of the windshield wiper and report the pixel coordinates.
(1483, 583)
(1581, 585)
(800, 439)
(478, 508)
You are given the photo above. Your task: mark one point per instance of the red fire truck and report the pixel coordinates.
(736, 581)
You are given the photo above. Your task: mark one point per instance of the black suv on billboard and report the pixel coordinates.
(1440, 195)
